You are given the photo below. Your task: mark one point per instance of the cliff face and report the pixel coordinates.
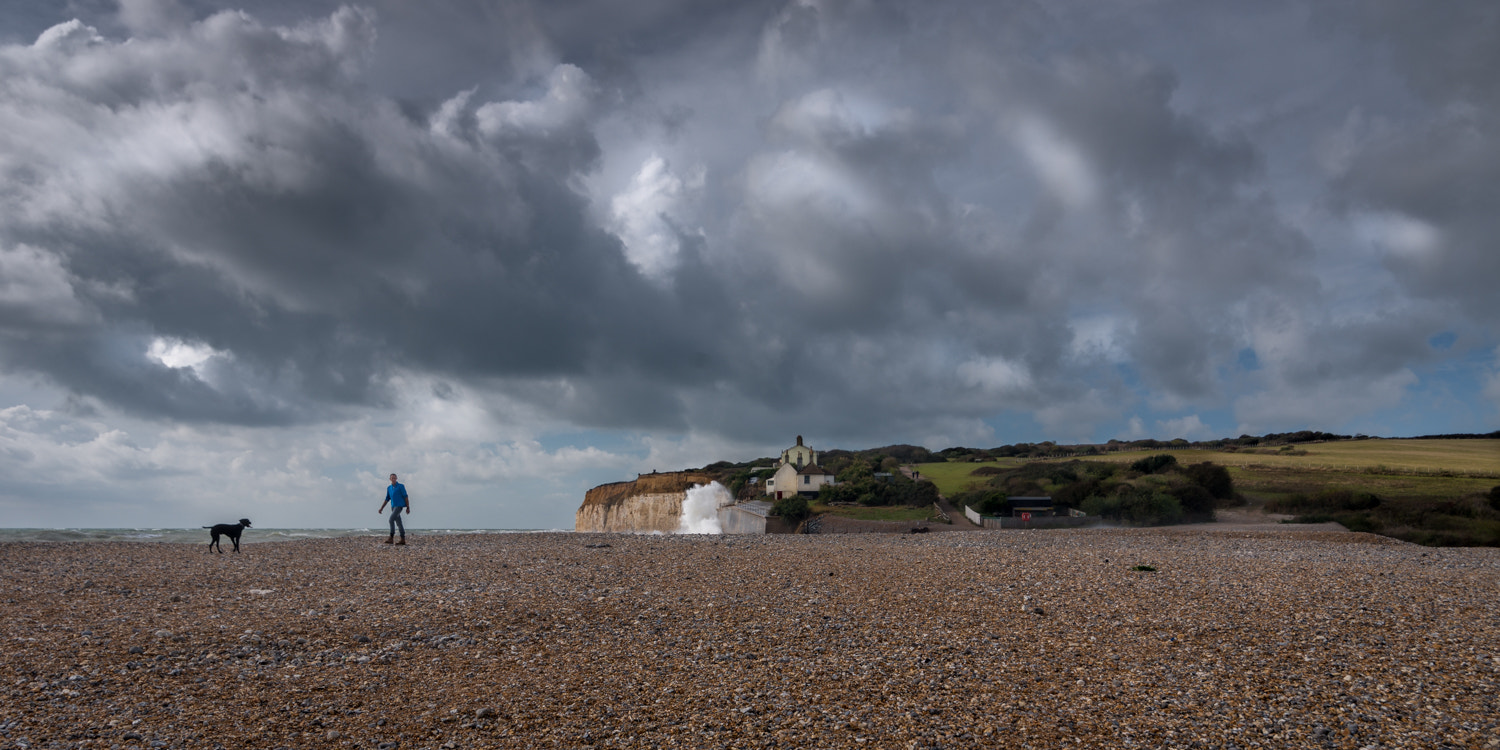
(653, 502)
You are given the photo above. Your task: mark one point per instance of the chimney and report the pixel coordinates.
(799, 440)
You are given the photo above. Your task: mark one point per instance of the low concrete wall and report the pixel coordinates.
(752, 517)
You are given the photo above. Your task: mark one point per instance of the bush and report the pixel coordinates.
(1195, 501)
(1073, 495)
(1154, 464)
(994, 504)
(1360, 522)
(1213, 478)
(869, 491)
(855, 471)
(1141, 506)
(1324, 501)
(793, 509)
(1495, 497)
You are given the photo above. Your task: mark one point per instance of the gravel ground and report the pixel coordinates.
(1045, 639)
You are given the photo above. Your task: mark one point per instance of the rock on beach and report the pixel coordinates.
(1046, 639)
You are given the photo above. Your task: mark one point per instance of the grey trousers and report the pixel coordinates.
(396, 521)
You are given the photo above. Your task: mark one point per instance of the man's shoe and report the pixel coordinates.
(390, 539)
(403, 541)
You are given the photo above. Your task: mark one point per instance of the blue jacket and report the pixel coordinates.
(396, 494)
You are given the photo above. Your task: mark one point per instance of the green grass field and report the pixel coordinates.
(1398, 469)
(957, 476)
(1477, 458)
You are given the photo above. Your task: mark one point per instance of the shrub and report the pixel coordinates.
(855, 471)
(1495, 497)
(1313, 518)
(1195, 500)
(1324, 501)
(1141, 506)
(993, 504)
(794, 509)
(1360, 522)
(1073, 495)
(1154, 464)
(1213, 478)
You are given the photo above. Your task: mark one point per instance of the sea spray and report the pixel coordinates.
(700, 509)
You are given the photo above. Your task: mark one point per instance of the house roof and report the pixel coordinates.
(813, 469)
(1030, 502)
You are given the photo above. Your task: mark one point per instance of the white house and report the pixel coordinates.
(798, 472)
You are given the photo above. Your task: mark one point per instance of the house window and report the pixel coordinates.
(806, 479)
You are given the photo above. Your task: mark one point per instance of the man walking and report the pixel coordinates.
(396, 496)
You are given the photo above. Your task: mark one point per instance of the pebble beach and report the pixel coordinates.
(1238, 638)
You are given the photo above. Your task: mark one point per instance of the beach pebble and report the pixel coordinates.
(1249, 638)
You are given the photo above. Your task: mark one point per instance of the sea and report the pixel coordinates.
(251, 535)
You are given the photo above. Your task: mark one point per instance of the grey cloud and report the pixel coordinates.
(1443, 167)
(890, 199)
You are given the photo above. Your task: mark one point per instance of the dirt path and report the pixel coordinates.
(961, 522)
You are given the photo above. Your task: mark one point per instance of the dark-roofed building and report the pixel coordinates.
(1036, 506)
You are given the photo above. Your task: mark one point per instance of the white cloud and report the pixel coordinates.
(69, 36)
(129, 473)
(1327, 403)
(569, 97)
(1099, 337)
(1190, 427)
(996, 376)
(1404, 236)
(1135, 429)
(649, 213)
(1060, 164)
(179, 354)
(1074, 420)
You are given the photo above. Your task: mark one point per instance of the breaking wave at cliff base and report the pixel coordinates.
(700, 509)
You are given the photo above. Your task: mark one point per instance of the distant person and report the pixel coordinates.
(396, 496)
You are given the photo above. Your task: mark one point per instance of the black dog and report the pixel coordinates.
(231, 530)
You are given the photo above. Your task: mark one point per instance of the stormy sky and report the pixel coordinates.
(255, 257)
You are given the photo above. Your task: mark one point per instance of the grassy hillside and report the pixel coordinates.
(1429, 491)
(954, 477)
(1478, 458)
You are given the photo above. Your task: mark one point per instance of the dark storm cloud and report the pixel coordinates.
(715, 217)
(1442, 169)
(269, 208)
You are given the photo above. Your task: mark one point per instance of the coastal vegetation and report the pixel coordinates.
(1152, 491)
(1434, 491)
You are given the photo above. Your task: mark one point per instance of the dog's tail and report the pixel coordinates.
(207, 527)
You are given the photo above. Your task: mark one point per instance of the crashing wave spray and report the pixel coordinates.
(700, 509)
